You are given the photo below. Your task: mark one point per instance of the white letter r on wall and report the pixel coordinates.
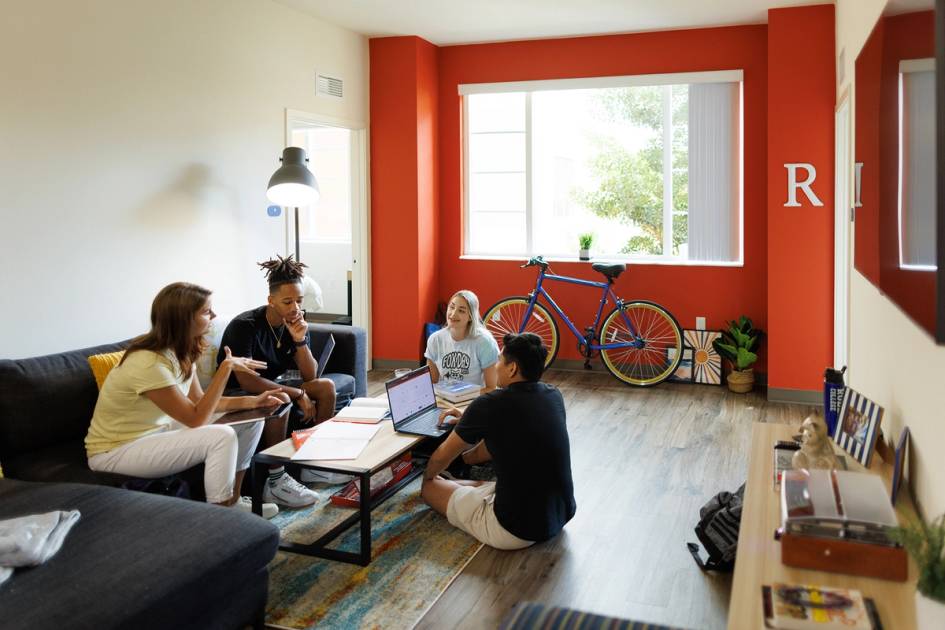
(793, 185)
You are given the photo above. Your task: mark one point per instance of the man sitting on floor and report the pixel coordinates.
(521, 428)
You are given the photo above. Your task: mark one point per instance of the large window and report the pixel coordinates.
(651, 166)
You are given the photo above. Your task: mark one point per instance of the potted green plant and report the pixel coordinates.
(737, 344)
(585, 240)
(925, 542)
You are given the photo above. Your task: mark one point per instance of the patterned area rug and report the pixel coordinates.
(416, 554)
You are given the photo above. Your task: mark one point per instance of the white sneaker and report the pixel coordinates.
(322, 476)
(245, 504)
(288, 492)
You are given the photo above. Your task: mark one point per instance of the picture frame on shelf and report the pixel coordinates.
(706, 362)
(902, 446)
(858, 426)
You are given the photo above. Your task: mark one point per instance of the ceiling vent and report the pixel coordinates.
(329, 86)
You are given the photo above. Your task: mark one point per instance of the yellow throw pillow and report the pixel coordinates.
(102, 364)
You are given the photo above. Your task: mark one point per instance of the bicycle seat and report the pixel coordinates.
(611, 272)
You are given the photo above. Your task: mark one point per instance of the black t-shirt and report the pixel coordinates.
(249, 335)
(525, 431)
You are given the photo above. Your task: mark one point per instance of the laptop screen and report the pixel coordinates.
(410, 393)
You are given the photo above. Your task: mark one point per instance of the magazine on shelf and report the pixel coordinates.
(803, 606)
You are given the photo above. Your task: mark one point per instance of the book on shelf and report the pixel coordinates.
(804, 606)
(350, 495)
(456, 391)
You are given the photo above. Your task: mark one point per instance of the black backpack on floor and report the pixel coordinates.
(718, 531)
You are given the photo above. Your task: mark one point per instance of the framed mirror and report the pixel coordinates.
(898, 195)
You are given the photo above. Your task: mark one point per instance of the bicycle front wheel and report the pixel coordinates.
(658, 343)
(507, 316)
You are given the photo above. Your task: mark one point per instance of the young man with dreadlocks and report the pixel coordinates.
(277, 334)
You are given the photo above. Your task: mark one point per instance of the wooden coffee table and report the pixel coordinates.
(384, 448)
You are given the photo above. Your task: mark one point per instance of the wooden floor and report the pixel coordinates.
(644, 461)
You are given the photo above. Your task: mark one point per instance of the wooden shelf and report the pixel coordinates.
(759, 555)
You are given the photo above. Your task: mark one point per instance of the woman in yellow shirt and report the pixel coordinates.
(152, 417)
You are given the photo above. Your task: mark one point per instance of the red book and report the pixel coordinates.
(350, 495)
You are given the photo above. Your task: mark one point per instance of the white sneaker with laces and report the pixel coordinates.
(245, 504)
(323, 476)
(288, 492)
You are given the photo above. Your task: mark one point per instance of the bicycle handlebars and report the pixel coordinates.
(536, 260)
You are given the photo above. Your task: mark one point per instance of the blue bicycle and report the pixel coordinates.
(640, 342)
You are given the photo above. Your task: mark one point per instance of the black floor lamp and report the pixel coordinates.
(293, 185)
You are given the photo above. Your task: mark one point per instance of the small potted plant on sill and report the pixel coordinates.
(585, 240)
(925, 542)
(737, 344)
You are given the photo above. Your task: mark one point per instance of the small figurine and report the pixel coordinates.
(816, 450)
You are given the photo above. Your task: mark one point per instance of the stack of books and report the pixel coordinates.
(350, 495)
(456, 391)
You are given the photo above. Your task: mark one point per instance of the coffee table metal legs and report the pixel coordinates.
(319, 548)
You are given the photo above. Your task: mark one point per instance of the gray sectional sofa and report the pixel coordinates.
(137, 560)
(133, 560)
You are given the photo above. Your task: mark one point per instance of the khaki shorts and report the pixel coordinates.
(471, 510)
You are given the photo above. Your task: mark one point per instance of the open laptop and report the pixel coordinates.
(413, 404)
(323, 354)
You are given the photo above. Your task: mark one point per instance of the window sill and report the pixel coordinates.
(633, 262)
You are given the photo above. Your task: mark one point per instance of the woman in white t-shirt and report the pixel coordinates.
(153, 419)
(463, 350)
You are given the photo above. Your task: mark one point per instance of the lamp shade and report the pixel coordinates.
(293, 184)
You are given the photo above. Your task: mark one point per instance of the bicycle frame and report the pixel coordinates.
(606, 292)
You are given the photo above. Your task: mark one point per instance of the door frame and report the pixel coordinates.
(360, 216)
(843, 216)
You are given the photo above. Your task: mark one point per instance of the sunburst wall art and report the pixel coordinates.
(706, 362)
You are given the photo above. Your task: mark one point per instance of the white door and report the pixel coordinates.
(333, 238)
(842, 215)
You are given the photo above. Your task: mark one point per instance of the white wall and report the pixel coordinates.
(136, 141)
(892, 360)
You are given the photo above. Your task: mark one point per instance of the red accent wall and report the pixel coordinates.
(785, 284)
(718, 293)
(801, 105)
(428, 213)
(404, 197)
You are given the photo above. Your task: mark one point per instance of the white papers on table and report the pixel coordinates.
(371, 402)
(337, 440)
(362, 414)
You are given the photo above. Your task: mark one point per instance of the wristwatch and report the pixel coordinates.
(304, 342)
